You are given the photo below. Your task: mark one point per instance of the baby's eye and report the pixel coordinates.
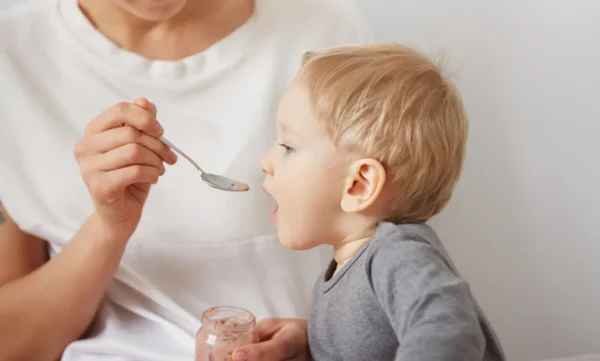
(287, 148)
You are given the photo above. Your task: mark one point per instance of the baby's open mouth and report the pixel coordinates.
(273, 216)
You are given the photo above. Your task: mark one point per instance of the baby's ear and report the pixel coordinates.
(363, 185)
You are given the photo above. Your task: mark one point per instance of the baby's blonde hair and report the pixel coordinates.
(391, 103)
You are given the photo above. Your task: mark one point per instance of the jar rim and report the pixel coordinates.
(215, 319)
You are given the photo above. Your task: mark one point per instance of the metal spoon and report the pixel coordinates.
(213, 180)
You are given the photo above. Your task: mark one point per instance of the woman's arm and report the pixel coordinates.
(45, 305)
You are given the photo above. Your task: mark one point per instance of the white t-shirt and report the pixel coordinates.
(196, 247)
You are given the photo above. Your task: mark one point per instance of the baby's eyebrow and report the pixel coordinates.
(283, 126)
(287, 129)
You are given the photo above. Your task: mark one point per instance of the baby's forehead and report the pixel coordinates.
(295, 115)
(300, 126)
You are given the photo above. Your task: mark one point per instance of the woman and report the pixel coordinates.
(91, 278)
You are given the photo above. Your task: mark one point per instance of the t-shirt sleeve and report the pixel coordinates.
(430, 308)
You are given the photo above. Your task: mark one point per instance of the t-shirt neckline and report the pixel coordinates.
(330, 279)
(220, 55)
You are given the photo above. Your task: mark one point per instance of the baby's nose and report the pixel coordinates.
(265, 165)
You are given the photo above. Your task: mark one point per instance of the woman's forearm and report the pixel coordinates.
(44, 311)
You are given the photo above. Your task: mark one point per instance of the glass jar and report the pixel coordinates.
(223, 330)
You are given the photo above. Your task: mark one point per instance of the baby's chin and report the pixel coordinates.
(295, 243)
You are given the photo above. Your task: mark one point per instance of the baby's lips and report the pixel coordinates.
(266, 192)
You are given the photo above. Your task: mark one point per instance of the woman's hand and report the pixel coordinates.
(279, 340)
(120, 157)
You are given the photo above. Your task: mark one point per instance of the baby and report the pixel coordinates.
(370, 144)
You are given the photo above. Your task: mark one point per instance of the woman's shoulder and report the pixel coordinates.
(23, 21)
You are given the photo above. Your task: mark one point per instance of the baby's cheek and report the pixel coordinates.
(305, 218)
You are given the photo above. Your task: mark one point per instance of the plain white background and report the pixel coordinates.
(521, 227)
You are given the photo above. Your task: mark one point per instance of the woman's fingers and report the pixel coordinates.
(105, 187)
(128, 155)
(125, 114)
(144, 103)
(117, 137)
(121, 149)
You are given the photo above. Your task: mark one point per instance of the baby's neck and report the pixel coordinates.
(349, 246)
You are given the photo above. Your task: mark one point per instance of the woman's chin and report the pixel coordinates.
(154, 10)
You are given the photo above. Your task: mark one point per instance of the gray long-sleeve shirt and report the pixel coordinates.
(399, 298)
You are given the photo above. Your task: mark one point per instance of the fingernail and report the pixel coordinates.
(241, 356)
(162, 170)
(159, 129)
(173, 156)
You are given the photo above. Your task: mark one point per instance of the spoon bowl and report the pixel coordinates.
(223, 183)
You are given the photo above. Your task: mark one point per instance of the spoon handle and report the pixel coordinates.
(174, 147)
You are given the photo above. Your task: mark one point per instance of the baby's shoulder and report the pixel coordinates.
(405, 241)
(403, 250)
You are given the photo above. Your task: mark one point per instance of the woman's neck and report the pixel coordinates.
(195, 28)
